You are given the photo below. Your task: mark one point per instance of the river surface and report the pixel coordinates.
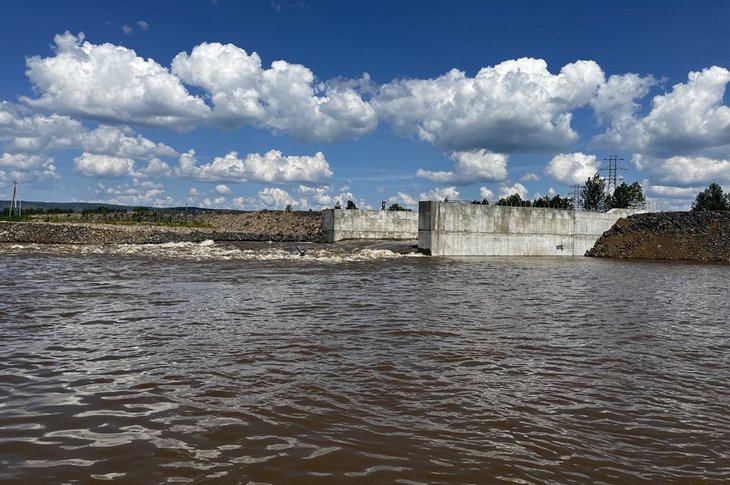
(215, 363)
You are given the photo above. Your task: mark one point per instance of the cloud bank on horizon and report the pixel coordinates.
(97, 100)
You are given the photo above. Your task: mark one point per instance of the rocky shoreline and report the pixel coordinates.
(696, 236)
(247, 226)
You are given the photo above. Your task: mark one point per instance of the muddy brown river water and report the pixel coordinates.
(249, 363)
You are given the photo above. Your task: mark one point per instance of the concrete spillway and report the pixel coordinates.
(343, 224)
(452, 229)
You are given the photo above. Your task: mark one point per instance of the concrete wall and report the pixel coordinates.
(451, 229)
(340, 224)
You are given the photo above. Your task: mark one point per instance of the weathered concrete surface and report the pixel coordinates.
(699, 236)
(342, 224)
(451, 229)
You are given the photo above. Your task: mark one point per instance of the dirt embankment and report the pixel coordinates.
(242, 226)
(700, 236)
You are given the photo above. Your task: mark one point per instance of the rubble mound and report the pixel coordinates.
(241, 226)
(699, 236)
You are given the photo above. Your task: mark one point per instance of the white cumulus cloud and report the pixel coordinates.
(530, 177)
(135, 194)
(214, 203)
(572, 168)
(485, 193)
(684, 170)
(517, 188)
(684, 139)
(321, 195)
(440, 193)
(27, 168)
(223, 189)
(271, 167)
(616, 99)
(156, 168)
(36, 133)
(91, 165)
(673, 192)
(276, 198)
(110, 83)
(285, 98)
(403, 199)
(515, 106)
(690, 120)
(122, 142)
(113, 84)
(470, 167)
(39, 133)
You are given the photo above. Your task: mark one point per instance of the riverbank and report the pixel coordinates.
(697, 236)
(218, 226)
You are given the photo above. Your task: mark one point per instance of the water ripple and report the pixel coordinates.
(190, 364)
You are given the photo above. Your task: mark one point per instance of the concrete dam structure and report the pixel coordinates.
(342, 224)
(457, 229)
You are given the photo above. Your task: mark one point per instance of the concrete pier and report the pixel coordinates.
(342, 224)
(453, 229)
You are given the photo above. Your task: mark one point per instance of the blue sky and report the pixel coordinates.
(260, 104)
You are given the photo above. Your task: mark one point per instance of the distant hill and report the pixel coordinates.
(81, 206)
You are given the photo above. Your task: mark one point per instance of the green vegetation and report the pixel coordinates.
(627, 196)
(107, 215)
(158, 222)
(395, 207)
(555, 202)
(483, 202)
(712, 199)
(594, 197)
(101, 210)
(514, 200)
(30, 214)
(351, 205)
(5, 216)
(593, 194)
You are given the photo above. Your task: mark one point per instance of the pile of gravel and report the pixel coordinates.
(700, 236)
(248, 226)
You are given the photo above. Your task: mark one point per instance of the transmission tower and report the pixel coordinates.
(576, 196)
(613, 168)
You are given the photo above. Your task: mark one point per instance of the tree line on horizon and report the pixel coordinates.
(712, 199)
(392, 207)
(593, 197)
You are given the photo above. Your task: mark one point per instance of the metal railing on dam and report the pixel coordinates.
(446, 229)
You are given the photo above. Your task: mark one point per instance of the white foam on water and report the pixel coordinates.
(210, 251)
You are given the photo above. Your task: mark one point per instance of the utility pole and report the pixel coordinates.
(14, 202)
(613, 168)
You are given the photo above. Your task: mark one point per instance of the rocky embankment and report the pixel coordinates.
(246, 226)
(700, 236)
